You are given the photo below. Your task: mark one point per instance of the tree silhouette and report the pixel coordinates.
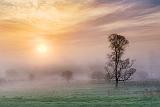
(97, 75)
(118, 69)
(67, 75)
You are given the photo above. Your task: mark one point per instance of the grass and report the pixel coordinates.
(87, 95)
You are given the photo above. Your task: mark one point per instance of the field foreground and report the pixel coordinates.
(86, 95)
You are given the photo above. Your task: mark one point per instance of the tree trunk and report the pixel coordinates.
(116, 67)
(124, 82)
(116, 85)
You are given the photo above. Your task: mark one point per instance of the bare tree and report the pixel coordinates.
(97, 75)
(67, 75)
(118, 69)
(31, 76)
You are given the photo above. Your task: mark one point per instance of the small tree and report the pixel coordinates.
(67, 75)
(118, 69)
(31, 76)
(97, 75)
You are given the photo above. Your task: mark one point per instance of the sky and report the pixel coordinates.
(75, 31)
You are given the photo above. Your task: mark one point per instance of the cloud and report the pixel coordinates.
(134, 17)
(77, 25)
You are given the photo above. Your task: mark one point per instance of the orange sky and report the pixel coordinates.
(74, 29)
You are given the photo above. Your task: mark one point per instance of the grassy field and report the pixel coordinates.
(86, 95)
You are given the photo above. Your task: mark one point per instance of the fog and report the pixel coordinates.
(20, 74)
(42, 39)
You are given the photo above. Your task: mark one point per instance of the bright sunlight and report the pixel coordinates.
(42, 48)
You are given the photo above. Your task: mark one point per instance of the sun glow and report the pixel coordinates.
(42, 48)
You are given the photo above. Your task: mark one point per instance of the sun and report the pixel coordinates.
(42, 48)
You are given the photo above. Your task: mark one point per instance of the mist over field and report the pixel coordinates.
(76, 45)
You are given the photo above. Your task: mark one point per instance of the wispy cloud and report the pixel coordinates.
(76, 23)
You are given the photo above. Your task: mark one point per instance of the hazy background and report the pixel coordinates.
(75, 33)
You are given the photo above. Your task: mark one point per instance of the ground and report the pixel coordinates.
(132, 94)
